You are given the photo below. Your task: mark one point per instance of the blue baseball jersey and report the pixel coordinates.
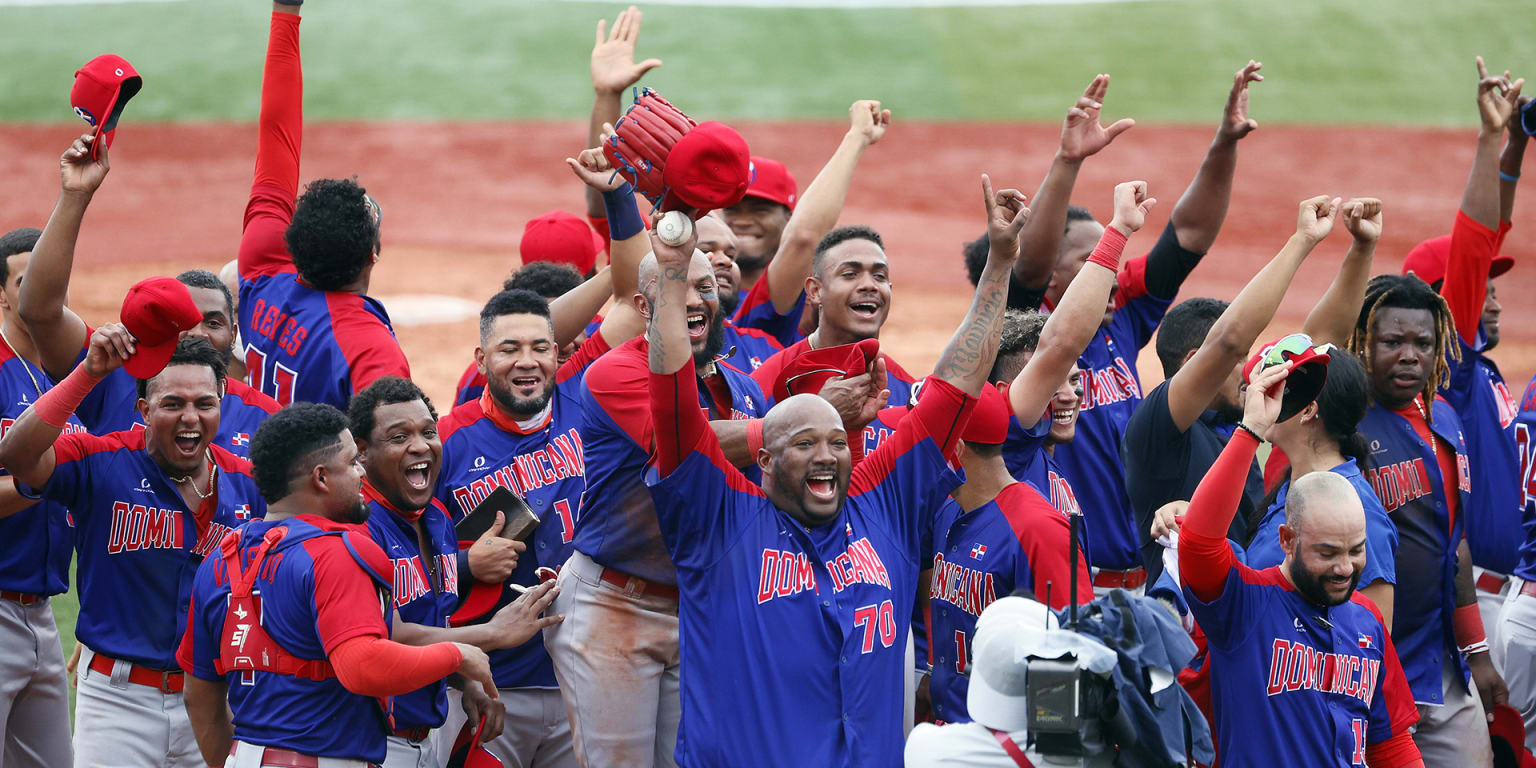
(617, 527)
(323, 584)
(421, 595)
(1525, 440)
(1030, 460)
(752, 578)
(1478, 393)
(903, 386)
(304, 344)
(1293, 683)
(39, 539)
(756, 312)
(747, 348)
(1380, 533)
(1408, 481)
(1018, 540)
(137, 541)
(546, 465)
(113, 406)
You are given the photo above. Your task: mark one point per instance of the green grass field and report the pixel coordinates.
(1372, 61)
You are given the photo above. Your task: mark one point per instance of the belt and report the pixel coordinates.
(1528, 589)
(413, 734)
(1130, 579)
(283, 758)
(168, 681)
(639, 585)
(21, 597)
(1489, 581)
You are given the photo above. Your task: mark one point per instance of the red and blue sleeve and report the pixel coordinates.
(70, 484)
(280, 128)
(612, 388)
(756, 311)
(590, 350)
(471, 378)
(371, 351)
(1473, 247)
(346, 598)
(1046, 545)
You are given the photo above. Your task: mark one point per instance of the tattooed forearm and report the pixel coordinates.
(667, 331)
(969, 356)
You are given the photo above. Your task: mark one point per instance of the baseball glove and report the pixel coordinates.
(641, 141)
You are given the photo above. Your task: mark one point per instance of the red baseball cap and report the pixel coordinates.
(102, 87)
(772, 181)
(1308, 374)
(1427, 260)
(810, 371)
(1508, 727)
(561, 237)
(708, 168)
(467, 751)
(989, 420)
(156, 311)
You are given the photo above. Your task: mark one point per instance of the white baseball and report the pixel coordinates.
(674, 227)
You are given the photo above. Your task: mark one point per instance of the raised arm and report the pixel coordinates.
(59, 333)
(1077, 316)
(1226, 345)
(1082, 135)
(968, 357)
(628, 239)
(279, 137)
(613, 71)
(1509, 163)
(1200, 212)
(1332, 320)
(817, 211)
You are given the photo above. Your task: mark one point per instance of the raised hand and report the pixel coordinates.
(1235, 122)
(1081, 133)
(1315, 219)
(493, 558)
(1362, 217)
(613, 55)
(110, 346)
(78, 173)
(594, 170)
(1131, 206)
(1261, 404)
(1498, 98)
(868, 120)
(1006, 214)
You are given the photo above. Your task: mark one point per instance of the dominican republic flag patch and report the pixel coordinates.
(1367, 642)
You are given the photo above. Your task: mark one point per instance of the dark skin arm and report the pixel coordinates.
(1332, 320)
(1490, 686)
(1497, 100)
(613, 72)
(1509, 163)
(510, 627)
(1198, 216)
(207, 704)
(968, 358)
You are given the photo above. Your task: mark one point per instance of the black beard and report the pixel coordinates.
(520, 407)
(1227, 413)
(1312, 588)
(728, 302)
(359, 513)
(794, 504)
(713, 343)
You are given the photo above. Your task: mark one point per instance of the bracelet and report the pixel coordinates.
(1480, 646)
(624, 219)
(1509, 177)
(1107, 253)
(1249, 430)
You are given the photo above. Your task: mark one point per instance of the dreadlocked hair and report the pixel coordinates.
(1409, 292)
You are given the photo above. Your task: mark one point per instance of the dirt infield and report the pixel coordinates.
(455, 197)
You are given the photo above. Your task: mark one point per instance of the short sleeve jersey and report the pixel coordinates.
(749, 572)
(1016, 541)
(617, 528)
(137, 541)
(305, 344)
(1380, 532)
(423, 595)
(321, 586)
(1293, 683)
(546, 466)
(39, 539)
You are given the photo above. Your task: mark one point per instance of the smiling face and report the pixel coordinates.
(217, 326)
(1324, 538)
(719, 244)
(1401, 348)
(404, 454)
(758, 224)
(180, 409)
(805, 461)
(519, 359)
(852, 288)
(1065, 407)
(706, 322)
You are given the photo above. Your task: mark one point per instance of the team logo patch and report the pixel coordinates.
(978, 550)
(1367, 642)
(241, 438)
(85, 114)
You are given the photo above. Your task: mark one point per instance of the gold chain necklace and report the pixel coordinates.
(213, 472)
(20, 359)
(1434, 445)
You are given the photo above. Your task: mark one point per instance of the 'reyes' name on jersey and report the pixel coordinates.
(786, 572)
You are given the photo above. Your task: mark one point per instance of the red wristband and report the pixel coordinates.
(56, 405)
(754, 438)
(1107, 253)
(1468, 623)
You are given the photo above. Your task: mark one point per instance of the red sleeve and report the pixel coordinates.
(1402, 712)
(600, 225)
(944, 410)
(675, 406)
(1396, 752)
(279, 135)
(184, 652)
(1131, 281)
(372, 352)
(1205, 557)
(373, 666)
(614, 386)
(346, 599)
(1275, 468)
(590, 350)
(1466, 273)
(1046, 542)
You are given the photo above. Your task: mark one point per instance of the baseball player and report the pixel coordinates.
(761, 217)
(289, 621)
(1054, 250)
(1404, 335)
(743, 348)
(823, 556)
(1462, 267)
(61, 336)
(524, 433)
(1517, 627)
(148, 505)
(1029, 454)
(35, 565)
(1303, 670)
(312, 332)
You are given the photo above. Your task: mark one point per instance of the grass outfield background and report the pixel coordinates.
(1372, 62)
(1368, 62)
